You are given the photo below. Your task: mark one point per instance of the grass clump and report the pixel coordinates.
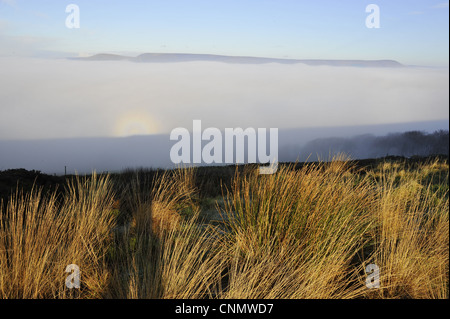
(308, 231)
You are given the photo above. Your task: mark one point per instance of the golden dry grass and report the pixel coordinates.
(300, 233)
(411, 238)
(295, 233)
(40, 235)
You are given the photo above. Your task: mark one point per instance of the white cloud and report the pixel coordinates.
(22, 45)
(41, 15)
(11, 3)
(416, 13)
(441, 5)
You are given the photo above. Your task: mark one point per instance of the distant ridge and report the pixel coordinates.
(105, 57)
(187, 57)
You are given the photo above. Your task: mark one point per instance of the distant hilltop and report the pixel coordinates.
(186, 57)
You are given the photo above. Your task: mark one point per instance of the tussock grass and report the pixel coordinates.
(411, 239)
(41, 235)
(161, 254)
(294, 234)
(304, 232)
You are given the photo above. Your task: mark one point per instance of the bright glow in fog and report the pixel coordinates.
(62, 98)
(135, 122)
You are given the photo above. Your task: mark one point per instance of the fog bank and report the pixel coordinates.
(41, 99)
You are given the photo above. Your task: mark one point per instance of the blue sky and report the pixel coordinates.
(412, 31)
